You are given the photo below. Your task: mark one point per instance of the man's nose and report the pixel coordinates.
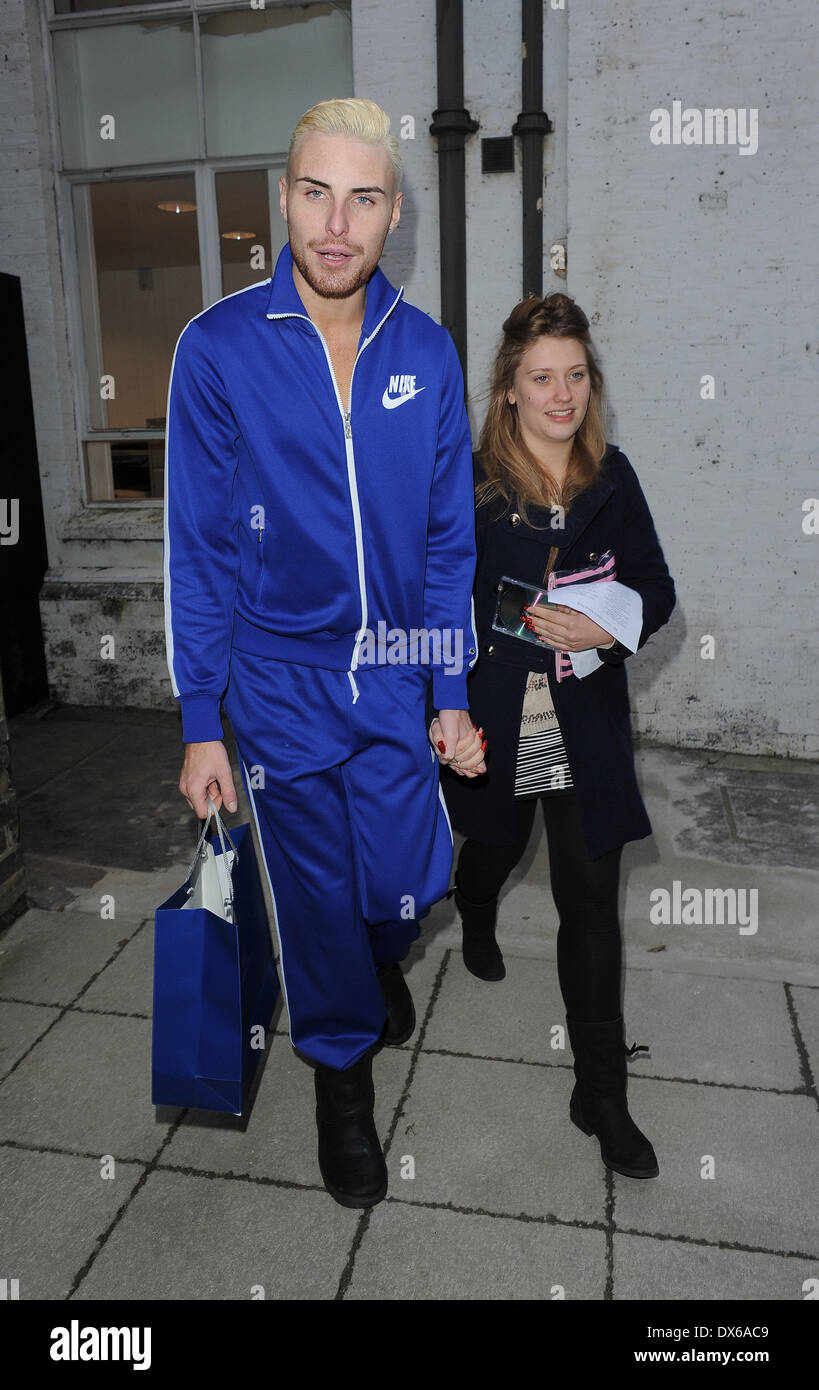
(337, 219)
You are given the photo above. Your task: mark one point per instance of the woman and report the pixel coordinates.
(555, 496)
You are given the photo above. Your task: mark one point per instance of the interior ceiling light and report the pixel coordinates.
(237, 236)
(175, 206)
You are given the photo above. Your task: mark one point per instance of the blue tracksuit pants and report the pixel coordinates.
(354, 832)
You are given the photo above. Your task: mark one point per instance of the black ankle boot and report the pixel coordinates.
(598, 1105)
(482, 954)
(400, 1024)
(349, 1153)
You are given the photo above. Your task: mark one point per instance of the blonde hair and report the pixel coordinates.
(356, 117)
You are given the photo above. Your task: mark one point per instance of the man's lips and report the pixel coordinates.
(335, 255)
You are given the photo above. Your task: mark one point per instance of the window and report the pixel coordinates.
(173, 130)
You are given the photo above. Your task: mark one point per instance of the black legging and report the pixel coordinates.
(585, 895)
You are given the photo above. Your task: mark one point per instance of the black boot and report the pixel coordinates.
(482, 954)
(400, 1024)
(598, 1105)
(349, 1153)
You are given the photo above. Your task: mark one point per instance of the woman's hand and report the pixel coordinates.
(457, 743)
(565, 628)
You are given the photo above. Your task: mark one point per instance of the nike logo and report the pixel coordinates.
(390, 402)
(399, 389)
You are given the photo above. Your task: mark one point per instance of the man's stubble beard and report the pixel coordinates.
(331, 289)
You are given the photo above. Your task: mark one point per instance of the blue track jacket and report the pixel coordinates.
(299, 531)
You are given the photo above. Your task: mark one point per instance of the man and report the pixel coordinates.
(319, 558)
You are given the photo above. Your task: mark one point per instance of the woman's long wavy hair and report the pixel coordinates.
(509, 467)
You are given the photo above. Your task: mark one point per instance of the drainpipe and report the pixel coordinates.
(532, 124)
(451, 124)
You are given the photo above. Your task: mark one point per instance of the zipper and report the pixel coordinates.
(352, 482)
(259, 567)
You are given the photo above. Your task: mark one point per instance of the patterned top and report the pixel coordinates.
(542, 764)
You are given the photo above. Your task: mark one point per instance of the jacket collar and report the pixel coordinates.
(380, 298)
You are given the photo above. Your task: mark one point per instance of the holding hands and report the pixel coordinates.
(458, 743)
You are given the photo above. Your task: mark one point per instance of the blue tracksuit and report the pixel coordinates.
(318, 568)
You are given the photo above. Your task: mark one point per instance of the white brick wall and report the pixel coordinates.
(697, 260)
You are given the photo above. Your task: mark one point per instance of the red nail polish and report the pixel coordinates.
(483, 746)
(441, 746)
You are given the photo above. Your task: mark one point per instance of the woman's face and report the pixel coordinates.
(551, 390)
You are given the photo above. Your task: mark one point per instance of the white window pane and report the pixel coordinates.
(264, 68)
(126, 94)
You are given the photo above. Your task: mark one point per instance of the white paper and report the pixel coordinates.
(613, 606)
(212, 887)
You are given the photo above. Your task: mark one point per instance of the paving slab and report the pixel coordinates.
(55, 1208)
(126, 984)
(48, 957)
(806, 1004)
(766, 1165)
(683, 1270)
(496, 1137)
(87, 1087)
(420, 1253)
(702, 1028)
(733, 1032)
(278, 1140)
(509, 1018)
(220, 1238)
(20, 1026)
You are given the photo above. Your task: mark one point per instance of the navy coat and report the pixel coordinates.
(593, 713)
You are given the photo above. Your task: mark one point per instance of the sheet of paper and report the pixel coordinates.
(612, 605)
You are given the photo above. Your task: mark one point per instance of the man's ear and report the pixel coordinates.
(396, 211)
(283, 196)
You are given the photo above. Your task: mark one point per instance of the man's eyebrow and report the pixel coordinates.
(370, 188)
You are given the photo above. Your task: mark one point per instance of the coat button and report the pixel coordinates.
(489, 650)
(593, 556)
(514, 519)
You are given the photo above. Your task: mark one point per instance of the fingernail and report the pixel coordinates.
(483, 745)
(441, 746)
(231, 805)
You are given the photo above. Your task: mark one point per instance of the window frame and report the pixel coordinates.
(202, 167)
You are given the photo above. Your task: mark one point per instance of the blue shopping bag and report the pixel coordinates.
(215, 981)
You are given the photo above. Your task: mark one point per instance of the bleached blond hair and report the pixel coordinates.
(356, 117)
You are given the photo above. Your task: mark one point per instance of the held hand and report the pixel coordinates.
(565, 628)
(206, 772)
(463, 745)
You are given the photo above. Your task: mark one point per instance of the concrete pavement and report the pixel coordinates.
(493, 1192)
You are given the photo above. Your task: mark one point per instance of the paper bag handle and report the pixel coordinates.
(222, 831)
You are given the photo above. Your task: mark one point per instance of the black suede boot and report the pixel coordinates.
(482, 954)
(349, 1152)
(598, 1105)
(400, 1024)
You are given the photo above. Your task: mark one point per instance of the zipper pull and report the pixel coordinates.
(261, 529)
(348, 433)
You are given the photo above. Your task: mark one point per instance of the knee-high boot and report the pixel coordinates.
(598, 1104)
